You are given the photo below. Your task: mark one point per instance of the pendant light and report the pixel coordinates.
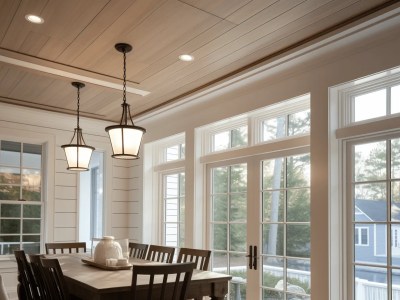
(126, 137)
(77, 153)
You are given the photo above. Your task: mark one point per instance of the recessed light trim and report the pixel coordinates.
(34, 19)
(186, 57)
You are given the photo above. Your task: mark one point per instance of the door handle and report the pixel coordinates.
(255, 258)
(250, 256)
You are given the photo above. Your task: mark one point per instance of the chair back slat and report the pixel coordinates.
(178, 287)
(73, 247)
(27, 287)
(199, 256)
(138, 250)
(37, 271)
(160, 253)
(54, 279)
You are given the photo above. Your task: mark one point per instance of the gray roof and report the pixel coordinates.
(376, 210)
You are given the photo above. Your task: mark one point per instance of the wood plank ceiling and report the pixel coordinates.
(76, 42)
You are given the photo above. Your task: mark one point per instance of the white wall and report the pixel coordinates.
(359, 51)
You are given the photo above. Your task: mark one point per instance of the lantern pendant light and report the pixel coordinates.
(77, 153)
(126, 137)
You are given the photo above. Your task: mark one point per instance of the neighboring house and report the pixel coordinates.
(370, 238)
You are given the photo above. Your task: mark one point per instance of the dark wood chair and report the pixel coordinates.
(37, 270)
(54, 278)
(160, 253)
(74, 247)
(27, 287)
(175, 290)
(199, 256)
(138, 250)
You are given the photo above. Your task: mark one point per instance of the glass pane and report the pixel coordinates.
(273, 206)
(32, 156)
(220, 180)
(11, 210)
(171, 234)
(299, 122)
(10, 175)
(395, 99)
(182, 184)
(370, 202)
(272, 239)
(31, 226)
(370, 161)
(221, 141)
(181, 235)
(10, 226)
(171, 210)
(9, 239)
(298, 171)
(238, 266)
(239, 137)
(238, 207)
(272, 295)
(237, 289)
(220, 207)
(237, 237)
(298, 240)
(31, 185)
(395, 157)
(238, 178)
(31, 238)
(274, 128)
(298, 276)
(172, 153)
(395, 284)
(371, 105)
(273, 173)
(298, 205)
(395, 235)
(8, 192)
(220, 233)
(368, 279)
(272, 276)
(31, 248)
(395, 205)
(368, 250)
(219, 262)
(9, 248)
(182, 210)
(171, 183)
(10, 154)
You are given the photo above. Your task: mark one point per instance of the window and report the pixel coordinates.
(20, 197)
(174, 209)
(175, 152)
(365, 188)
(361, 236)
(229, 139)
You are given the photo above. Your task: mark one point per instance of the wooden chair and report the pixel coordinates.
(199, 256)
(54, 278)
(160, 253)
(138, 250)
(173, 290)
(27, 288)
(37, 270)
(51, 248)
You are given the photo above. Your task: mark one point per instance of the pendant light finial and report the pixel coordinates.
(77, 152)
(126, 137)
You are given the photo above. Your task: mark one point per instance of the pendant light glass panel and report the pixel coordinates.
(125, 141)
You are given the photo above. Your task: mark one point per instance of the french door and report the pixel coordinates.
(259, 225)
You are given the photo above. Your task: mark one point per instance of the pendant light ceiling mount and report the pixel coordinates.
(126, 137)
(77, 152)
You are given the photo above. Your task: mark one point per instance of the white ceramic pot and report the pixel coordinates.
(107, 248)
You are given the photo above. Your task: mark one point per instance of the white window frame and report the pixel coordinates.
(341, 130)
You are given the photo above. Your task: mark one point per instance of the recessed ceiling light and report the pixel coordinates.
(34, 19)
(186, 57)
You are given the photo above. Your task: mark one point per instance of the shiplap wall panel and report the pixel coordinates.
(65, 206)
(65, 220)
(64, 234)
(66, 192)
(126, 220)
(66, 179)
(120, 184)
(61, 166)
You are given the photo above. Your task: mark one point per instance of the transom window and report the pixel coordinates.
(20, 197)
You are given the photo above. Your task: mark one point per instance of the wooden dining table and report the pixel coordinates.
(88, 282)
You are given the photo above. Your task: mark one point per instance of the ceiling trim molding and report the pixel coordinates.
(44, 66)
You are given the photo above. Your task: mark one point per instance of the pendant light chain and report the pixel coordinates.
(124, 83)
(78, 108)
